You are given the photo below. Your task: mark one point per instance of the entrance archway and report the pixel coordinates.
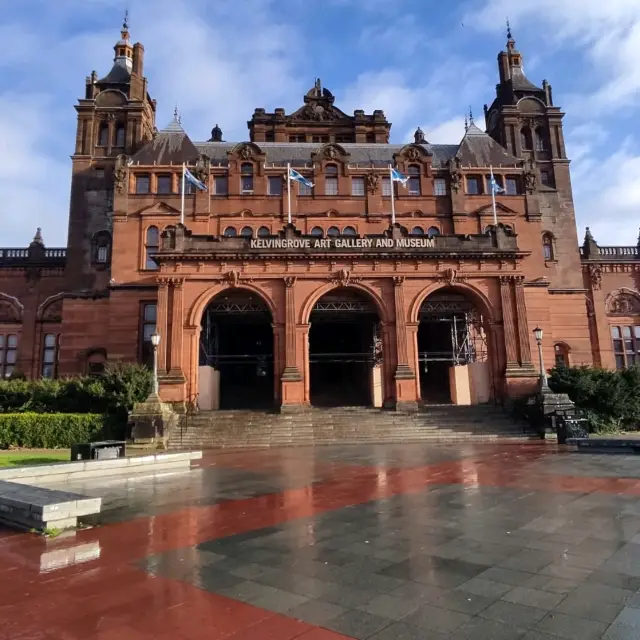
(237, 341)
(452, 340)
(344, 345)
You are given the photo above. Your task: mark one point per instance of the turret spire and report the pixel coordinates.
(123, 48)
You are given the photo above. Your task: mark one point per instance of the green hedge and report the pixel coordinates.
(50, 430)
(113, 393)
(609, 399)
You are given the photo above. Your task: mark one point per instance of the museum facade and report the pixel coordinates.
(348, 288)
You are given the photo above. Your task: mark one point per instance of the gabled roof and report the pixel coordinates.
(478, 149)
(171, 145)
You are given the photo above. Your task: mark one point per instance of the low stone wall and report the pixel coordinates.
(60, 472)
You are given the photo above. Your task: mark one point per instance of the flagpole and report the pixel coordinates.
(182, 197)
(493, 198)
(393, 204)
(289, 192)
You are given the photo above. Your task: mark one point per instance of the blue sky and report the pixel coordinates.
(423, 62)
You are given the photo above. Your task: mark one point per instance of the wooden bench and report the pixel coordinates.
(27, 507)
(606, 445)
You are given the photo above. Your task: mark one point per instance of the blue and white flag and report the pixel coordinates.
(193, 180)
(495, 187)
(396, 176)
(297, 177)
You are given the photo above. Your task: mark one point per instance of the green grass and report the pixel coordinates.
(22, 458)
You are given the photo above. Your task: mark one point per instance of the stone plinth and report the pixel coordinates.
(152, 421)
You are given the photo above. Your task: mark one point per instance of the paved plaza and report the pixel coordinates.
(384, 542)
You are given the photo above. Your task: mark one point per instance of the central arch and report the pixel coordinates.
(345, 347)
(237, 344)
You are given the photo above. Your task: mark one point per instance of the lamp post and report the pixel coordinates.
(537, 332)
(155, 341)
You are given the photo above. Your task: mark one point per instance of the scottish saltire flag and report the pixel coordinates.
(495, 187)
(193, 180)
(297, 177)
(396, 176)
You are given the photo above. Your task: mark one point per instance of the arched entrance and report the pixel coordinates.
(237, 341)
(452, 350)
(344, 345)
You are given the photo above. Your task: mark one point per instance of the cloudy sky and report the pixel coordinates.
(423, 62)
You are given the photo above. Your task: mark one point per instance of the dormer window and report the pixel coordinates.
(331, 180)
(142, 183)
(246, 178)
(120, 133)
(541, 139)
(473, 185)
(526, 141)
(413, 185)
(103, 135)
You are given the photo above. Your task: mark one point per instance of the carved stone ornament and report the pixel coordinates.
(232, 278)
(289, 281)
(9, 313)
(201, 170)
(530, 181)
(343, 278)
(372, 182)
(624, 304)
(595, 274)
(413, 154)
(451, 277)
(121, 173)
(246, 152)
(53, 313)
(456, 180)
(317, 112)
(331, 153)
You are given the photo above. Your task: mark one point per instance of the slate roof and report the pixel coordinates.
(117, 75)
(520, 82)
(172, 145)
(478, 149)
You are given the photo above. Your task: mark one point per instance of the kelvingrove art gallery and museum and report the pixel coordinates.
(315, 263)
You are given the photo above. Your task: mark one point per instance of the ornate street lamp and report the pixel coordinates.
(537, 332)
(155, 341)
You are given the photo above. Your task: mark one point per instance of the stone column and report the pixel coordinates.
(404, 376)
(508, 323)
(161, 322)
(292, 382)
(523, 325)
(176, 328)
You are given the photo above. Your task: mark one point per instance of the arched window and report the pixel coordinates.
(120, 133)
(317, 232)
(561, 351)
(541, 139)
(332, 232)
(246, 178)
(433, 231)
(230, 232)
(263, 232)
(413, 184)
(525, 138)
(547, 246)
(331, 180)
(103, 135)
(417, 231)
(246, 232)
(152, 243)
(349, 231)
(101, 247)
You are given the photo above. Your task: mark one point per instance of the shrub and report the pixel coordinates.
(609, 399)
(50, 430)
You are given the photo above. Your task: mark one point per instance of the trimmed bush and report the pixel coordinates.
(49, 430)
(609, 399)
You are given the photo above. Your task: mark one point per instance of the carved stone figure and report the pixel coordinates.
(201, 170)
(246, 152)
(413, 154)
(233, 278)
(343, 278)
(595, 273)
(372, 182)
(625, 304)
(331, 153)
(530, 180)
(456, 180)
(121, 173)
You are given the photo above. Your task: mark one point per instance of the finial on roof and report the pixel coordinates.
(466, 123)
(216, 134)
(509, 36)
(588, 235)
(418, 136)
(470, 116)
(37, 239)
(125, 24)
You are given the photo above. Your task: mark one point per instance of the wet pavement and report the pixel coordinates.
(482, 542)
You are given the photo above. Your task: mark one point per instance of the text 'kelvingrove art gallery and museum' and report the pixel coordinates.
(316, 263)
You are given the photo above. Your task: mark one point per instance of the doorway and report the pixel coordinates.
(237, 341)
(343, 347)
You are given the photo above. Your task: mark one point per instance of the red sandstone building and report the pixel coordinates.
(340, 306)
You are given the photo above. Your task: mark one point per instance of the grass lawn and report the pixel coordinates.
(20, 458)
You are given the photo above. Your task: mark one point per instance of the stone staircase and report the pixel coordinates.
(347, 425)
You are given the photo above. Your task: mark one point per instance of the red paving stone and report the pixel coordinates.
(111, 598)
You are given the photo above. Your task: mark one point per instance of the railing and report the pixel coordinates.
(628, 253)
(54, 254)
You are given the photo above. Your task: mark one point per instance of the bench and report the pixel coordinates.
(606, 445)
(27, 507)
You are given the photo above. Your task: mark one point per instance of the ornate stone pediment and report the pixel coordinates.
(316, 111)
(500, 208)
(623, 302)
(246, 151)
(158, 208)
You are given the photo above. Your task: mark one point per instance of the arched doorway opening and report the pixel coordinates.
(452, 350)
(237, 342)
(344, 345)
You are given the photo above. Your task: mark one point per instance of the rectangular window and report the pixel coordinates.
(331, 186)
(413, 186)
(221, 185)
(546, 178)
(626, 345)
(512, 187)
(142, 183)
(8, 354)
(103, 254)
(164, 184)
(296, 138)
(439, 187)
(320, 139)
(386, 187)
(275, 185)
(473, 186)
(49, 356)
(189, 189)
(147, 329)
(120, 131)
(246, 184)
(499, 181)
(98, 172)
(103, 135)
(304, 190)
(357, 186)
